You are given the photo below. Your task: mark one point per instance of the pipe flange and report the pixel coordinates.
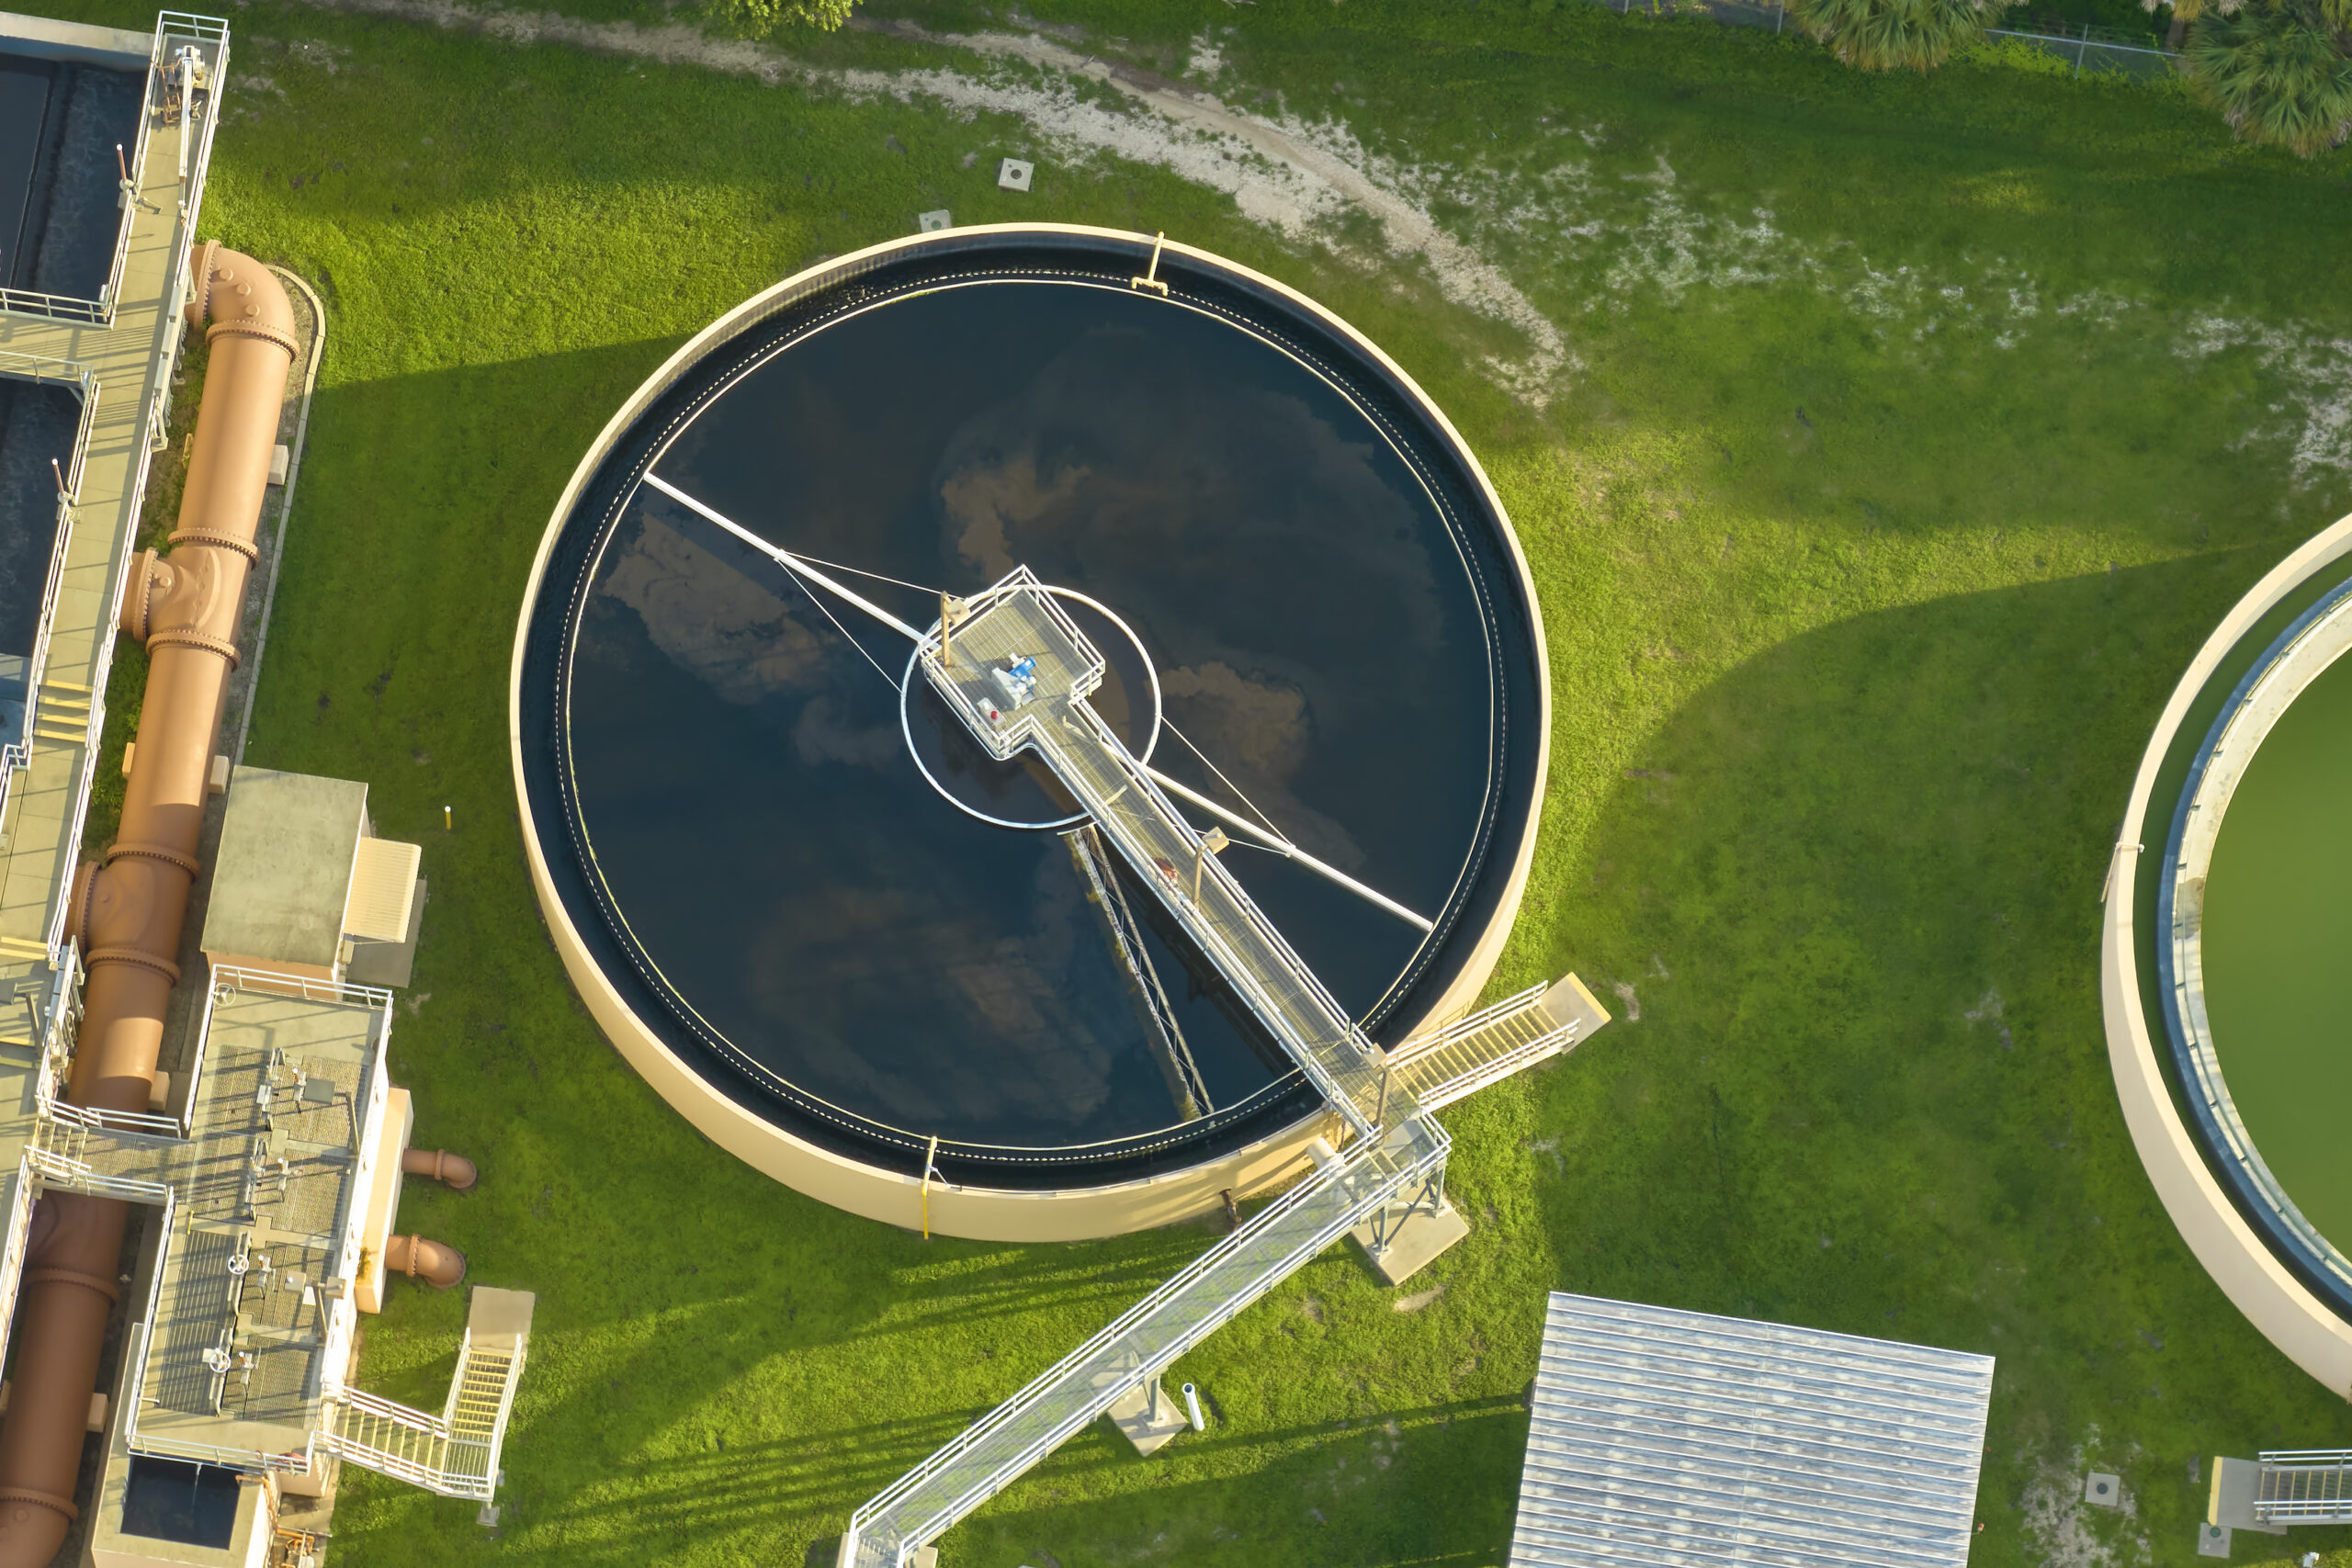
(77, 904)
(41, 1499)
(139, 598)
(49, 1275)
(201, 306)
(244, 548)
(142, 959)
(197, 640)
(163, 852)
(260, 330)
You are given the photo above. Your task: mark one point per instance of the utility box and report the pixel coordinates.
(303, 887)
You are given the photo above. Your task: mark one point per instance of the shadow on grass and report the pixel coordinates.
(1852, 890)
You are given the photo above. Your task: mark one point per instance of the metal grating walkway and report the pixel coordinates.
(1396, 1160)
(2304, 1486)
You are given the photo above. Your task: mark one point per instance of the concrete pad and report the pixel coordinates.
(2230, 1503)
(1413, 1244)
(2212, 1541)
(1149, 1430)
(2103, 1490)
(932, 223)
(1014, 173)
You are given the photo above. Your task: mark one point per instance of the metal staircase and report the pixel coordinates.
(1444, 1064)
(455, 1453)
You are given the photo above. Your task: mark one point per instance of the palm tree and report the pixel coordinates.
(1881, 35)
(2279, 71)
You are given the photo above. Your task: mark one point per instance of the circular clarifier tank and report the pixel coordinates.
(2253, 925)
(883, 966)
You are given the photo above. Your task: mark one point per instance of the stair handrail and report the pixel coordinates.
(1426, 1154)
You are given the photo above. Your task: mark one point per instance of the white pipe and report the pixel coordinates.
(784, 559)
(1289, 851)
(1192, 1407)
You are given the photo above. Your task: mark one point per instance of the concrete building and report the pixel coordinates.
(193, 1023)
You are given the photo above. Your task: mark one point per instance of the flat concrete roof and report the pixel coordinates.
(283, 871)
(46, 38)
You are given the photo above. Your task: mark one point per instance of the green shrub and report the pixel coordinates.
(1882, 35)
(754, 17)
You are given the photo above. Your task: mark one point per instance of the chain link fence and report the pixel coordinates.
(2077, 50)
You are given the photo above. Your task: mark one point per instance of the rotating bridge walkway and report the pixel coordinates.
(1017, 670)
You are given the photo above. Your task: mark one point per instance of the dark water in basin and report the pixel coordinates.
(796, 890)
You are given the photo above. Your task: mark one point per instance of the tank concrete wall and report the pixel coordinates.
(979, 1213)
(2261, 1287)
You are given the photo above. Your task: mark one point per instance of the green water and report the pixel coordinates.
(2278, 952)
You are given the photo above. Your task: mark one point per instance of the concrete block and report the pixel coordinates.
(280, 461)
(2212, 1541)
(932, 223)
(2230, 1503)
(2103, 1490)
(1014, 173)
(1148, 1418)
(488, 1516)
(1412, 1244)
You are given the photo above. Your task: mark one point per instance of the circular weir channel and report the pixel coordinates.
(872, 960)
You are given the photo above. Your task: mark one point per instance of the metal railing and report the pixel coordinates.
(11, 1257)
(17, 754)
(1086, 849)
(455, 1453)
(1154, 837)
(100, 310)
(2304, 1486)
(1397, 1159)
(1133, 1352)
(1485, 1047)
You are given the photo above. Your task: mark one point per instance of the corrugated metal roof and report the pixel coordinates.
(383, 885)
(1678, 1440)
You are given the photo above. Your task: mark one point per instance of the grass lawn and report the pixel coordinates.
(1910, 434)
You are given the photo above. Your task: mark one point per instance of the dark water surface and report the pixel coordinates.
(800, 895)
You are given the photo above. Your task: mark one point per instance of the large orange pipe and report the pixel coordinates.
(127, 913)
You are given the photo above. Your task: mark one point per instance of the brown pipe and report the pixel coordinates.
(453, 1171)
(435, 1263)
(128, 912)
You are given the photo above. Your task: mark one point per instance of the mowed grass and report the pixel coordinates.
(1861, 595)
